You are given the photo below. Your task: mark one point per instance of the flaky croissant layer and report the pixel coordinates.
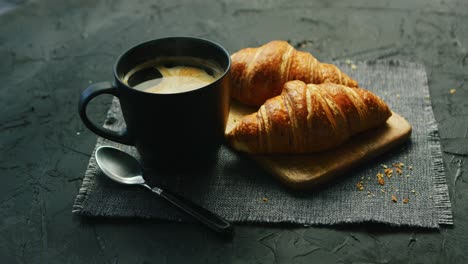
(308, 118)
(260, 73)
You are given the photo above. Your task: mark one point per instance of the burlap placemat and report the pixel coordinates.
(241, 191)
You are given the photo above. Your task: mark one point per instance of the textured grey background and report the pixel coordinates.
(235, 188)
(52, 49)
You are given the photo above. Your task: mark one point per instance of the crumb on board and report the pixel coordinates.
(394, 199)
(348, 61)
(265, 199)
(380, 178)
(382, 190)
(410, 167)
(384, 166)
(388, 172)
(399, 171)
(452, 91)
(353, 66)
(360, 186)
(398, 96)
(413, 191)
(405, 200)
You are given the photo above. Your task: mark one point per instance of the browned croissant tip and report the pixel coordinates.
(242, 135)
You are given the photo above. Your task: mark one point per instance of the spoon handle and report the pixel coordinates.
(210, 219)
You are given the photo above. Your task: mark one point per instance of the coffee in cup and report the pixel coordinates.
(168, 75)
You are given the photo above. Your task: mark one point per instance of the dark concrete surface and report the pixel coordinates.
(51, 50)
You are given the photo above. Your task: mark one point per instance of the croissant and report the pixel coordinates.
(308, 118)
(260, 73)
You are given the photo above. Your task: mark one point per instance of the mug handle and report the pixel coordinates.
(87, 95)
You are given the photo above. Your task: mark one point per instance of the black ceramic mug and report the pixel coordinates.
(178, 130)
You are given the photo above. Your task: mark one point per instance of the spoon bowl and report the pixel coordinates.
(119, 166)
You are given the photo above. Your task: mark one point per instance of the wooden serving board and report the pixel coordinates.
(304, 171)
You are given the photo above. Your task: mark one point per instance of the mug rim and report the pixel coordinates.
(119, 59)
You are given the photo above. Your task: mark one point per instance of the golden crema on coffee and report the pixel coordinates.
(173, 75)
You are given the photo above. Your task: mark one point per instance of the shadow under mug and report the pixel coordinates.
(178, 130)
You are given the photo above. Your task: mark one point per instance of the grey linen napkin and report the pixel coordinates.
(239, 190)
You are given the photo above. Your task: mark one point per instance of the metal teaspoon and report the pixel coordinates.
(125, 169)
